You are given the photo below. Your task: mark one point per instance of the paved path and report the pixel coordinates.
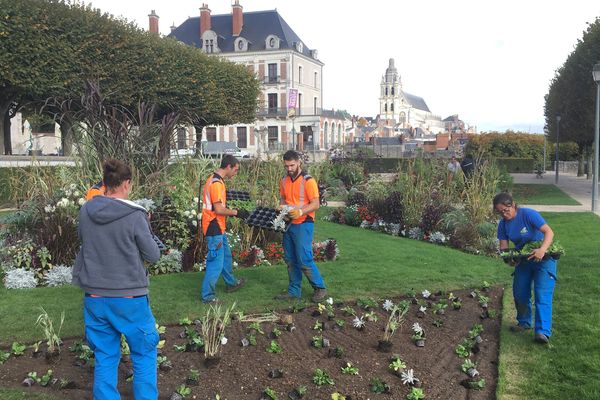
(578, 188)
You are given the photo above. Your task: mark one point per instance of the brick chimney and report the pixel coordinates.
(238, 18)
(204, 19)
(153, 22)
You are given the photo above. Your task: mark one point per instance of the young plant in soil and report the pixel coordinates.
(349, 311)
(394, 322)
(418, 335)
(275, 333)
(457, 303)
(483, 301)
(298, 392)
(320, 378)
(46, 378)
(337, 352)
(4, 356)
(256, 327)
(269, 394)
(439, 308)
(317, 342)
(181, 392)
(475, 333)
(337, 396)
(318, 326)
(437, 323)
(193, 378)
(378, 385)
(463, 350)
(476, 384)
(415, 394)
(367, 303)
(349, 369)
(371, 316)
(274, 347)
(185, 321)
(51, 334)
(470, 368)
(359, 323)
(408, 377)
(397, 366)
(485, 286)
(17, 349)
(213, 327)
(339, 323)
(164, 364)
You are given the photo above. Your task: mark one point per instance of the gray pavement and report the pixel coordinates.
(578, 187)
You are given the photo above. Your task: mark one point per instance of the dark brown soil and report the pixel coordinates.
(243, 372)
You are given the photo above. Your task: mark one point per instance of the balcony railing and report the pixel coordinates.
(272, 112)
(272, 80)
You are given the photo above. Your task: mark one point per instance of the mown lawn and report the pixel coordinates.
(373, 264)
(548, 195)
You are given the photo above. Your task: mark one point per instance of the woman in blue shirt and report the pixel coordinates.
(520, 226)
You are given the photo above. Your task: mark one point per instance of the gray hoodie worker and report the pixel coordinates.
(111, 262)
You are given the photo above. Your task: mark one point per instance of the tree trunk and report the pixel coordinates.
(5, 130)
(66, 137)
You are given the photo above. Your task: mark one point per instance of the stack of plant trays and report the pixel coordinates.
(238, 195)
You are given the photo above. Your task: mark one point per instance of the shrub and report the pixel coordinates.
(168, 263)
(59, 275)
(393, 208)
(20, 278)
(356, 198)
(349, 172)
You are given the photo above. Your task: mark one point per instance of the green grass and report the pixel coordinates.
(373, 264)
(542, 195)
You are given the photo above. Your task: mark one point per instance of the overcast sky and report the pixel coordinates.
(489, 62)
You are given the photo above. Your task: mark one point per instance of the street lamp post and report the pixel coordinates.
(596, 75)
(556, 155)
(545, 134)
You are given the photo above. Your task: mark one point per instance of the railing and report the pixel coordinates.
(272, 80)
(272, 112)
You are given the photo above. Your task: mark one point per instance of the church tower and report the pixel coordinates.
(389, 99)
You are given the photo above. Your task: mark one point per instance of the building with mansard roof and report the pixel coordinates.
(283, 63)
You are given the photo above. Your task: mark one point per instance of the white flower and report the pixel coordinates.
(72, 186)
(195, 223)
(64, 202)
(81, 201)
(388, 305)
(329, 301)
(358, 322)
(193, 211)
(408, 377)
(186, 213)
(77, 193)
(417, 328)
(223, 341)
(195, 200)
(68, 192)
(426, 293)
(422, 309)
(49, 209)
(235, 264)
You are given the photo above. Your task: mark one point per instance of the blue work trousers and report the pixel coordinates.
(542, 275)
(297, 247)
(106, 318)
(218, 262)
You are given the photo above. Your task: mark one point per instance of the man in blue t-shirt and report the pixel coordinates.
(521, 226)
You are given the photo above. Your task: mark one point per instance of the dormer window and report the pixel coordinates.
(272, 42)
(299, 47)
(240, 44)
(210, 42)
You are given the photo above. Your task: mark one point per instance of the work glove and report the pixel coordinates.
(242, 213)
(295, 213)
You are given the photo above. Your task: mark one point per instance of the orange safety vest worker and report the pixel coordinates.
(299, 192)
(213, 192)
(97, 190)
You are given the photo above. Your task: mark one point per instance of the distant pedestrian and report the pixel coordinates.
(453, 168)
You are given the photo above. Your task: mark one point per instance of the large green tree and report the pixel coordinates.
(572, 93)
(50, 49)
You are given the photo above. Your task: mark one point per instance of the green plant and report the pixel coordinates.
(52, 336)
(276, 332)
(320, 378)
(274, 347)
(257, 327)
(349, 311)
(366, 303)
(301, 390)
(477, 385)
(194, 375)
(33, 376)
(185, 321)
(317, 341)
(467, 365)
(378, 385)
(251, 339)
(349, 369)
(4, 356)
(213, 327)
(463, 350)
(270, 393)
(183, 390)
(318, 326)
(415, 394)
(397, 364)
(337, 396)
(18, 349)
(476, 330)
(46, 378)
(340, 322)
(395, 321)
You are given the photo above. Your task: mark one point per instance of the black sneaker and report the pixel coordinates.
(241, 282)
(541, 338)
(214, 301)
(519, 328)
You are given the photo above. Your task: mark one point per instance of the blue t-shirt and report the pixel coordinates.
(523, 228)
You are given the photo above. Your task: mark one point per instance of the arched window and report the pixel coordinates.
(385, 107)
(325, 133)
(402, 118)
(386, 90)
(392, 91)
(340, 133)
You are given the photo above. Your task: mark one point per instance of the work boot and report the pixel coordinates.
(319, 295)
(285, 297)
(519, 328)
(541, 338)
(241, 282)
(214, 302)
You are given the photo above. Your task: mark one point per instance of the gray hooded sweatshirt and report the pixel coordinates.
(115, 240)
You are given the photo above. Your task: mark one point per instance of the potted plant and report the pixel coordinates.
(469, 368)
(269, 394)
(193, 378)
(359, 323)
(181, 392)
(378, 385)
(397, 366)
(418, 335)
(297, 393)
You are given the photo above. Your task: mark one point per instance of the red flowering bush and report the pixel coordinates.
(273, 252)
(366, 214)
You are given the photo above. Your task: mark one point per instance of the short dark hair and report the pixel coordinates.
(503, 198)
(227, 160)
(115, 172)
(291, 155)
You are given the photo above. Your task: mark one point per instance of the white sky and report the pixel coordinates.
(490, 62)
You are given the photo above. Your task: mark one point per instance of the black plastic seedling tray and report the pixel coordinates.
(238, 195)
(263, 217)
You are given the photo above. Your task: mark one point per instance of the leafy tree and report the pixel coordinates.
(572, 93)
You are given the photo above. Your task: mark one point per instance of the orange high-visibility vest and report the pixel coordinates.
(97, 190)
(298, 193)
(213, 192)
